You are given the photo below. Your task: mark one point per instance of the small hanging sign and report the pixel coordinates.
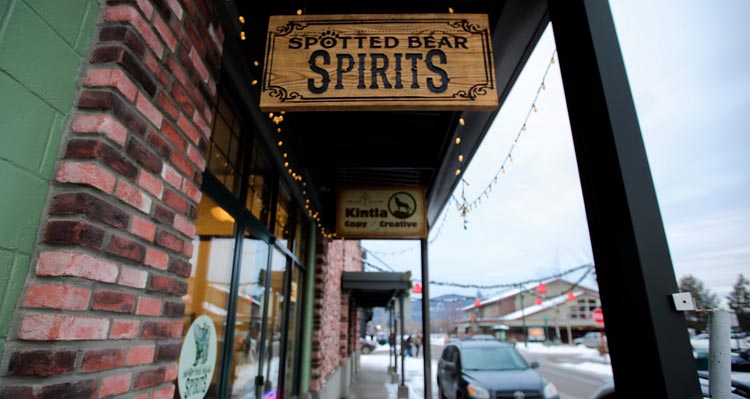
(379, 62)
(381, 212)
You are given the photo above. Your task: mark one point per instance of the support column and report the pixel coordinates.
(426, 332)
(647, 338)
(307, 327)
(403, 390)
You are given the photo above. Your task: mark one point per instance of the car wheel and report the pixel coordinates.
(366, 350)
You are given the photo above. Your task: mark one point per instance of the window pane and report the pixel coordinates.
(258, 193)
(294, 308)
(208, 284)
(245, 362)
(275, 316)
(281, 231)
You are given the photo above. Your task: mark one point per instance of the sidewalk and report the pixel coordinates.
(373, 381)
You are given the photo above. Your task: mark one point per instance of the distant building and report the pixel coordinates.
(563, 314)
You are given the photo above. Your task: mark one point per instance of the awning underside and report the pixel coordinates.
(374, 289)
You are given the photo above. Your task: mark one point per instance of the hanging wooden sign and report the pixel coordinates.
(381, 212)
(379, 62)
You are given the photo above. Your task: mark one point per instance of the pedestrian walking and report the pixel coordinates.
(407, 345)
(417, 344)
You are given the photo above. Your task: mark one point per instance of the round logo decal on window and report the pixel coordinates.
(402, 205)
(197, 359)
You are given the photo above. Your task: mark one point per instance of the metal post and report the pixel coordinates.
(426, 332)
(625, 225)
(523, 321)
(401, 338)
(719, 355)
(403, 390)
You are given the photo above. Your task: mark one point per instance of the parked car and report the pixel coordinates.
(737, 342)
(366, 346)
(740, 390)
(592, 339)
(483, 337)
(741, 360)
(482, 369)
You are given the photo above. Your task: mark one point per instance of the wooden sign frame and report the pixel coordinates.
(388, 212)
(379, 62)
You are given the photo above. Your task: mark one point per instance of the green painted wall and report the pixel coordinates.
(42, 44)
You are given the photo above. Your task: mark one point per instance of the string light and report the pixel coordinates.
(468, 206)
(299, 12)
(254, 82)
(242, 35)
(242, 19)
(450, 10)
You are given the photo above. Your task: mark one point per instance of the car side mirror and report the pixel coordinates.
(534, 365)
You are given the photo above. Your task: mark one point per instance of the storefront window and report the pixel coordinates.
(275, 320)
(224, 155)
(249, 320)
(258, 191)
(299, 244)
(281, 231)
(208, 284)
(292, 337)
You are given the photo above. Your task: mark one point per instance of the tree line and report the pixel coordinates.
(738, 302)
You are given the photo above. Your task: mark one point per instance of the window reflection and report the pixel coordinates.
(281, 231)
(249, 321)
(208, 284)
(270, 369)
(292, 341)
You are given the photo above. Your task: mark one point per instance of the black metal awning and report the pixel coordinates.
(374, 289)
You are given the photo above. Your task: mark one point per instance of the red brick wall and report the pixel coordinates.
(333, 332)
(101, 311)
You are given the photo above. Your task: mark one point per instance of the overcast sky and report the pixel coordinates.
(688, 63)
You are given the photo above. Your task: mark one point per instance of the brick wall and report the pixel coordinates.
(100, 314)
(333, 331)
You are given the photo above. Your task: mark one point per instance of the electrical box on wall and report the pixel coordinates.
(683, 301)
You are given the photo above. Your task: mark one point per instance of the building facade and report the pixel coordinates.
(554, 310)
(142, 192)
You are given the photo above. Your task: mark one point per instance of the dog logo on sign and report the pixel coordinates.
(402, 205)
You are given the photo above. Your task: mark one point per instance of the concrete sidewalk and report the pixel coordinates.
(373, 381)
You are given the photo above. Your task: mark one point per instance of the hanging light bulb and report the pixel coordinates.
(543, 87)
(242, 35)
(460, 158)
(458, 172)
(458, 140)
(450, 10)
(242, 19)
(299, 12)
(286, 164)
(533, 107)
(461, 121)
(270, 115)
(280, 143)
(284, 155)
(523, 127)
(254, 82)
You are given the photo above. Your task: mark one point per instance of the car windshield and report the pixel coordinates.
(489, 358)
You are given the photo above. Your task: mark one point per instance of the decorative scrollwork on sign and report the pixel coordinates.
(466, 26)
(289, 27)
(474, 91)
(281, 93)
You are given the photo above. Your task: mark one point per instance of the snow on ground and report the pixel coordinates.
(591, 360)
